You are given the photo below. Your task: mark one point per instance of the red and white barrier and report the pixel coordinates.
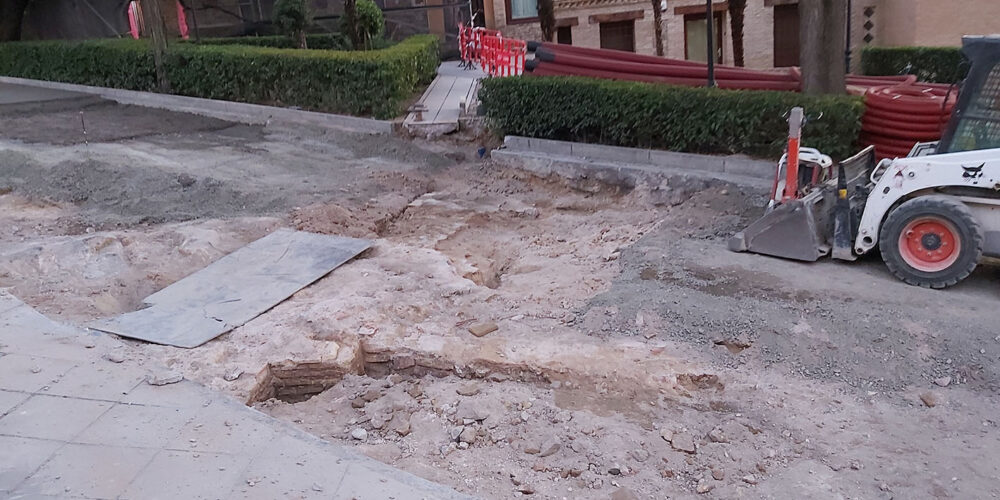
(496, 55)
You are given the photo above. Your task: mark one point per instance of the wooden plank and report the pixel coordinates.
(234, 289)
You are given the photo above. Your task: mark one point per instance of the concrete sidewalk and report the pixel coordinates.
(442, 101)
(77, 422)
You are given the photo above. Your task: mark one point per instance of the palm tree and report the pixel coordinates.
(658, 26)
(736, 10)
(11, 16)
(547, 18)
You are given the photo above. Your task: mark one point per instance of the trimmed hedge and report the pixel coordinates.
(929, 64)
(330, 41)
(658, 116)
(362, 83)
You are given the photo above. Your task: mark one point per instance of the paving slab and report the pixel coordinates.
(93, 471)
(18, 94)
(235, 288)
(177, 441)
(442, 99)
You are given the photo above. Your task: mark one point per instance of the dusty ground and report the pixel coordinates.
(633, 354)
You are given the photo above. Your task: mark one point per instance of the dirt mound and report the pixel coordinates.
(121, 196)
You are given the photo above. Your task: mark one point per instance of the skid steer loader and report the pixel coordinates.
(933, 214)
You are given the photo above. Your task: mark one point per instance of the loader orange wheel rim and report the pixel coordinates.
(929, 244)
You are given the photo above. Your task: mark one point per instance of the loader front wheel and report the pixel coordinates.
(931, 241)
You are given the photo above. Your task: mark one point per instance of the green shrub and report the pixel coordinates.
(365, 83)
(330, 41)
(647, 115)
(929, 64)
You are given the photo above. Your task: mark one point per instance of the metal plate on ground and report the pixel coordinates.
(234, 289)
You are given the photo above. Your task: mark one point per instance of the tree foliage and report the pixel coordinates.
(292, 17)
(363, 22)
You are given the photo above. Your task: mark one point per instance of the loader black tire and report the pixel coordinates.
(930, 223)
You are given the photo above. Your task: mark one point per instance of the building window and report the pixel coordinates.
(696, 37)
(564, 35)
(250, 10)
(522, 10)
(786, 35)
(619, 35)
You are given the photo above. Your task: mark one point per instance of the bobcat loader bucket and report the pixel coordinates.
(796, 229)
(808, 228)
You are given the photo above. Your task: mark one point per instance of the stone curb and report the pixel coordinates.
(734, 165)
(224, 110)
(627, 175)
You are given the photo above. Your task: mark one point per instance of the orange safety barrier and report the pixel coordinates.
(510, 58)
(464, 39)
(496, 55)
(489, 49)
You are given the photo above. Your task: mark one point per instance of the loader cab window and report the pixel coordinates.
(979, 127)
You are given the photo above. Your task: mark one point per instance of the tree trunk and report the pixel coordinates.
(658, 27)
(351, 22)
(11, 17)
(547, 19)
(737, 9)
(824, 28)
(153, 21)
(300, 36)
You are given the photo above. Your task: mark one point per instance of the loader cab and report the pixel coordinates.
(975, 120)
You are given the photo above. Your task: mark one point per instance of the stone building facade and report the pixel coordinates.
(771, 27)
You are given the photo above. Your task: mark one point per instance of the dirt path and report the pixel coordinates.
(632, 353)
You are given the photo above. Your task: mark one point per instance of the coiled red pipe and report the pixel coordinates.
(899, 116)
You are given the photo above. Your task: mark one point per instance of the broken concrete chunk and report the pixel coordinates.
(943, 381)
(549, 448)
(469, 409)
(623, 494)
(400, 423)
(164, 378)
(469, 389)
(683, 442)
(526, 489)
(415, 391)
(717, 436)
(481, 329)
(359, 434)
(639, 454)
(667, 435)
(929, 399)
(468, 435)
(233, 374)
(114, 356)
